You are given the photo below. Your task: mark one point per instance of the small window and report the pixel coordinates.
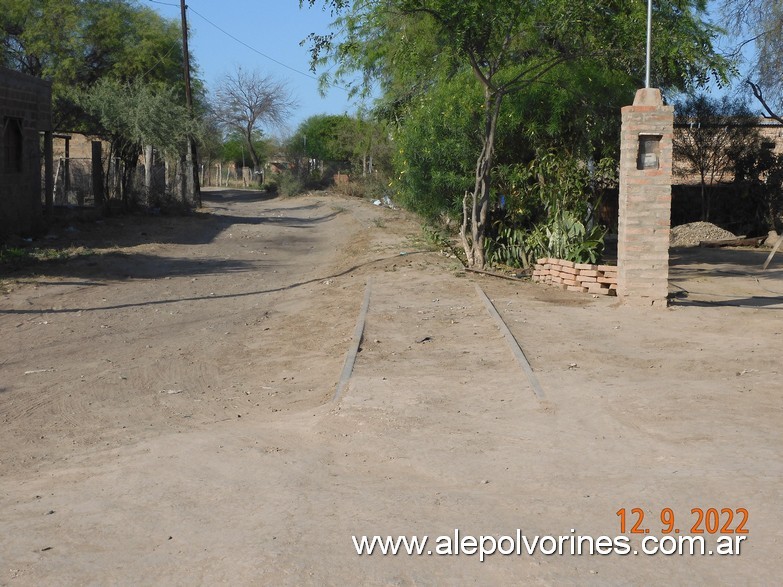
(649, 152)
(12, 145)
(769, 145)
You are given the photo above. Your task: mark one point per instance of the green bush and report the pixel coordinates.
(564, 236)
(270, 186)
(548, 211)
(289, 185)
(508, 246)
(435, 150)
(371, 187)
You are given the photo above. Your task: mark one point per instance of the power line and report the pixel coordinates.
(262, 54)
(159, 61)
(241, 42)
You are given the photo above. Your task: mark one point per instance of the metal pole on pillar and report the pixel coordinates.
(649, 36)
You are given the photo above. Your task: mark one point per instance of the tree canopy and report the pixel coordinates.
(75, 43)
(319, 137)
(504, 48)
(760, 23)
(407, 46)
(137, 114)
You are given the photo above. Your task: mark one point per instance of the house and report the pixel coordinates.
(768, 131)
(25, 111)
(740, 208)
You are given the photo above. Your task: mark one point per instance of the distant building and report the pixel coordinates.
(770, 132)
(25, 111)
(73, 168)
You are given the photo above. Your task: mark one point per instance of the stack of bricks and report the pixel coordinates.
(578, 277)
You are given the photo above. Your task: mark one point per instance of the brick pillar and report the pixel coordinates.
(645, 200)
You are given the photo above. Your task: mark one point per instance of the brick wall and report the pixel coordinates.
(25, 104)
(645, 201)
(79, 147)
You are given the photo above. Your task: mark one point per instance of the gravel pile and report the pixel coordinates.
(690, 235)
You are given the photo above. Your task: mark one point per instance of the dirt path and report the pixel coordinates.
(167, 413)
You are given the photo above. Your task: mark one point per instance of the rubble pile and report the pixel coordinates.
(690, 235)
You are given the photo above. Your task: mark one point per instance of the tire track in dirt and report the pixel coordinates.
(437, 331)
(437, 431)
(179, 316)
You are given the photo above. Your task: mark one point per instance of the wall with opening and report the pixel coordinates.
(25, 111)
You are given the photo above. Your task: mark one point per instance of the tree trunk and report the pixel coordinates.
(190, 176)
(251, 149)
(479, 198)
(705, 212)
(183, 179)
(148, 172)
(194, 176)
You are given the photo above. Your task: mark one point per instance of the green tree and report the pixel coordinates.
(369, 143)
(508, 46)
(573, 111)
(319, 137)
(434, 148)
(134, 114)
(212, 139)
(357, 141)
(233, 149)
(74, 43)
(38, 39)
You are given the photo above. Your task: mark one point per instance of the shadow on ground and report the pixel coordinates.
(217, 195)
(78, 238)
(218, 296)
(710, 277)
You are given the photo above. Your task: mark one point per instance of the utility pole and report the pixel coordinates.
(191, 165)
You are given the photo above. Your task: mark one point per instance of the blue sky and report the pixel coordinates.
(273, 28)
(268, 33)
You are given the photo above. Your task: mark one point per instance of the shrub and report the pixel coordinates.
(547, 211)
(289, 184)
(270, 186)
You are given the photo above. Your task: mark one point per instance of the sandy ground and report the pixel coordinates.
(167, 418)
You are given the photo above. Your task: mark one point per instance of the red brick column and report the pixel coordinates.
(645, 200)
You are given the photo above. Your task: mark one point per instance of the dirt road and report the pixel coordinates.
(167, 414)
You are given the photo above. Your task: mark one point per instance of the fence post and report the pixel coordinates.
(97, 173)
(48, 172)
